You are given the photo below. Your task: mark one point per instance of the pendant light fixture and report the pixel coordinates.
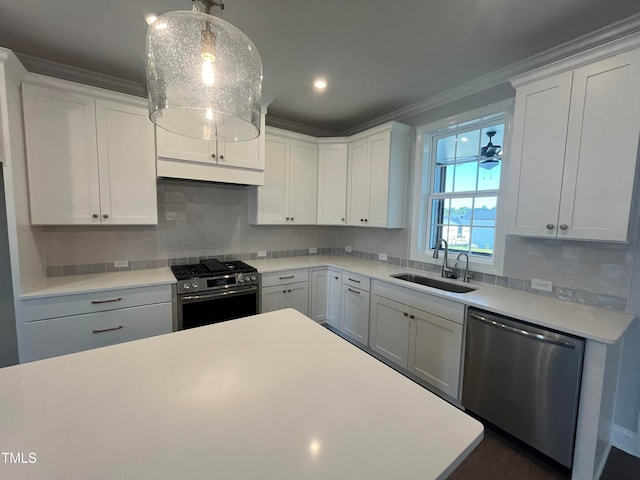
(204, 76)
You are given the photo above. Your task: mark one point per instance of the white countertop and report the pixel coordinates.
(605, 326)
(274, 396)
(69, 284)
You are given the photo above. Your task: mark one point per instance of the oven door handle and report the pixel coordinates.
(211, 296)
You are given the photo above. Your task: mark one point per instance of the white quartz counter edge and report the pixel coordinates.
(605, 326)
(97, 282)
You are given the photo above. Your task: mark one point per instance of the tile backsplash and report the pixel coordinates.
(202, 220)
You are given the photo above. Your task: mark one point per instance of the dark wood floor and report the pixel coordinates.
(500, 458)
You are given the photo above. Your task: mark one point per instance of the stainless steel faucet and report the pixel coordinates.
(447, 272)
(467, 274)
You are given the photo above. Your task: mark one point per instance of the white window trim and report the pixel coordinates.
(421, 189)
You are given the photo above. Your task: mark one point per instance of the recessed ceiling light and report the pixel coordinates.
(150, 18)
(320, 83)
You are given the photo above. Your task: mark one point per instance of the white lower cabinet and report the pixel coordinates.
(334, 298)
(319, 294)
(285, 289)
(355, 314)
(420, 333)
(435, 351)
(73, 323)
(389, 330)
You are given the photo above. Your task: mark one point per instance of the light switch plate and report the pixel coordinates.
(121, 263)
(347, 249)
(313, 250)
(262, 254)
(543, 285)
(382, 257)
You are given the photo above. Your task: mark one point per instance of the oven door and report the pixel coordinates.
(213, 307)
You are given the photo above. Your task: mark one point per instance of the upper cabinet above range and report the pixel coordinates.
(574, 147)
(90, 155)
(195, 159)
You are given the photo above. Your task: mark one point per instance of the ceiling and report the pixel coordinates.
(378, 56)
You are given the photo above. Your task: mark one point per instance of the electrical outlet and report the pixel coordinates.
(544, 285)
(121, 263)
(347, 249)
(262, 254)
(382, 257)
(313, 250)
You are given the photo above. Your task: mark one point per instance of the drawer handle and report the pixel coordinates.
(111, 300)
(354, 291)
(286, 278)
(119, 327)
(354, 280)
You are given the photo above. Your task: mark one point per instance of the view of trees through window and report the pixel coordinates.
(466, 168)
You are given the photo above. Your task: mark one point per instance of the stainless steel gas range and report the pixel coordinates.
(213, 291)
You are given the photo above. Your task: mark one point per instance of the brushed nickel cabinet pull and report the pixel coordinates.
(111, 300)
(354, 291)
(354, 280)
(286, 278)
(119, 327)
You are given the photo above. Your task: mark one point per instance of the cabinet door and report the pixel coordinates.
(298, 297)
(389, 330)
(273, 298)
(179, 147)
(355, 314)
(357, 183)
(319, 288)
(303, 182)
(332, 184)
(379, 150)
(334, 298)
(62, 156)
(244, 154)
(435, 349)
(127, 164)
(602, 147)
(273, 196)
(60, 336)
(537, 153)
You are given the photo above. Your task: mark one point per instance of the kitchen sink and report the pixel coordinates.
(433, 283)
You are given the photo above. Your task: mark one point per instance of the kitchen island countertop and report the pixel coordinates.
(273, 396)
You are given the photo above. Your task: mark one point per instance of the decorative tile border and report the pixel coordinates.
(566, 294)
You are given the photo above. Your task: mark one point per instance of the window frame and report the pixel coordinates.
(422, 192)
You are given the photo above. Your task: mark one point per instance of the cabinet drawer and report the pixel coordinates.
(76, 304)
(284, 277)
(423, 301)
(355, 280)
(60, 336)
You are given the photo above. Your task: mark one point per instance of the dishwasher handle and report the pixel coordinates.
(532, 335)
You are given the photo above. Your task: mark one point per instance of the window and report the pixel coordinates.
(460, 170)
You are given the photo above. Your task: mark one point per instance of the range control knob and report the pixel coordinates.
(186, 286)
(194, 285)
(240, 279)
(253, 278)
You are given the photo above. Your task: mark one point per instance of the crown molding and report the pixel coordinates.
(283, 124)
(80, 75)
(13, 67)
(609, 33)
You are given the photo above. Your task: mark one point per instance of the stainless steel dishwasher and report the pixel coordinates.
(525, 380)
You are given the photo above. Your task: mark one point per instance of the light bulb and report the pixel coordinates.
(208, 73)
(209, 114)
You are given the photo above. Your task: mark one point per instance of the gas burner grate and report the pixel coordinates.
(182, 272)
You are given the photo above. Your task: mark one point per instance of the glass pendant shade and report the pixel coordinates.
(204, 77)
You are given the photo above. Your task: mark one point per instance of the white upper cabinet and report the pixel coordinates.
(376, 176)
(332, 184)
(195, 159)
(288, 196)
(90, 155)
(574, 150)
